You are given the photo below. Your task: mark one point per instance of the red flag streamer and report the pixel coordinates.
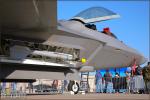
(134, 67)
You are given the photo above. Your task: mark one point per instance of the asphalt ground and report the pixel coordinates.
(82, 97)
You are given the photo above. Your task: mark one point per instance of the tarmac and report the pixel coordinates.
(94, 96)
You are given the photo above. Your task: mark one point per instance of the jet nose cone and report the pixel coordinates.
(143, 60)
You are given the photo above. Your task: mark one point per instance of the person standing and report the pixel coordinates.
(65, 85)
(128, 81)
(55, 84)
(139, 82)
(117, 82)
(146, 76)
(108, 80)
(98, 82)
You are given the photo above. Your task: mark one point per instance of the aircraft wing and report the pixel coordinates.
(30, 14)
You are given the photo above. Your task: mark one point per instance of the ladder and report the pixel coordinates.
(84, 84)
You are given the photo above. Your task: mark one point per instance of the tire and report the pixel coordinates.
(72, 86)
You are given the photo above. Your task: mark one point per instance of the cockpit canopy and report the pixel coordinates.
(95, 14)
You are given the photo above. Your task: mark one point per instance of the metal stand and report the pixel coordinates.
(84, 84)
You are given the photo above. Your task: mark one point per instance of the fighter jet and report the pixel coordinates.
(34, 44)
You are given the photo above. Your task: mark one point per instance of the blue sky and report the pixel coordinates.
(132, 27)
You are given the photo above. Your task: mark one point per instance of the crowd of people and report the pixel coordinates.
(134, 81)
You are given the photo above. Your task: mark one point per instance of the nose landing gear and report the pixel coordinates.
(73, 86)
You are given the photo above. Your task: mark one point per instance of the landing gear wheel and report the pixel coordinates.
(73, 86)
